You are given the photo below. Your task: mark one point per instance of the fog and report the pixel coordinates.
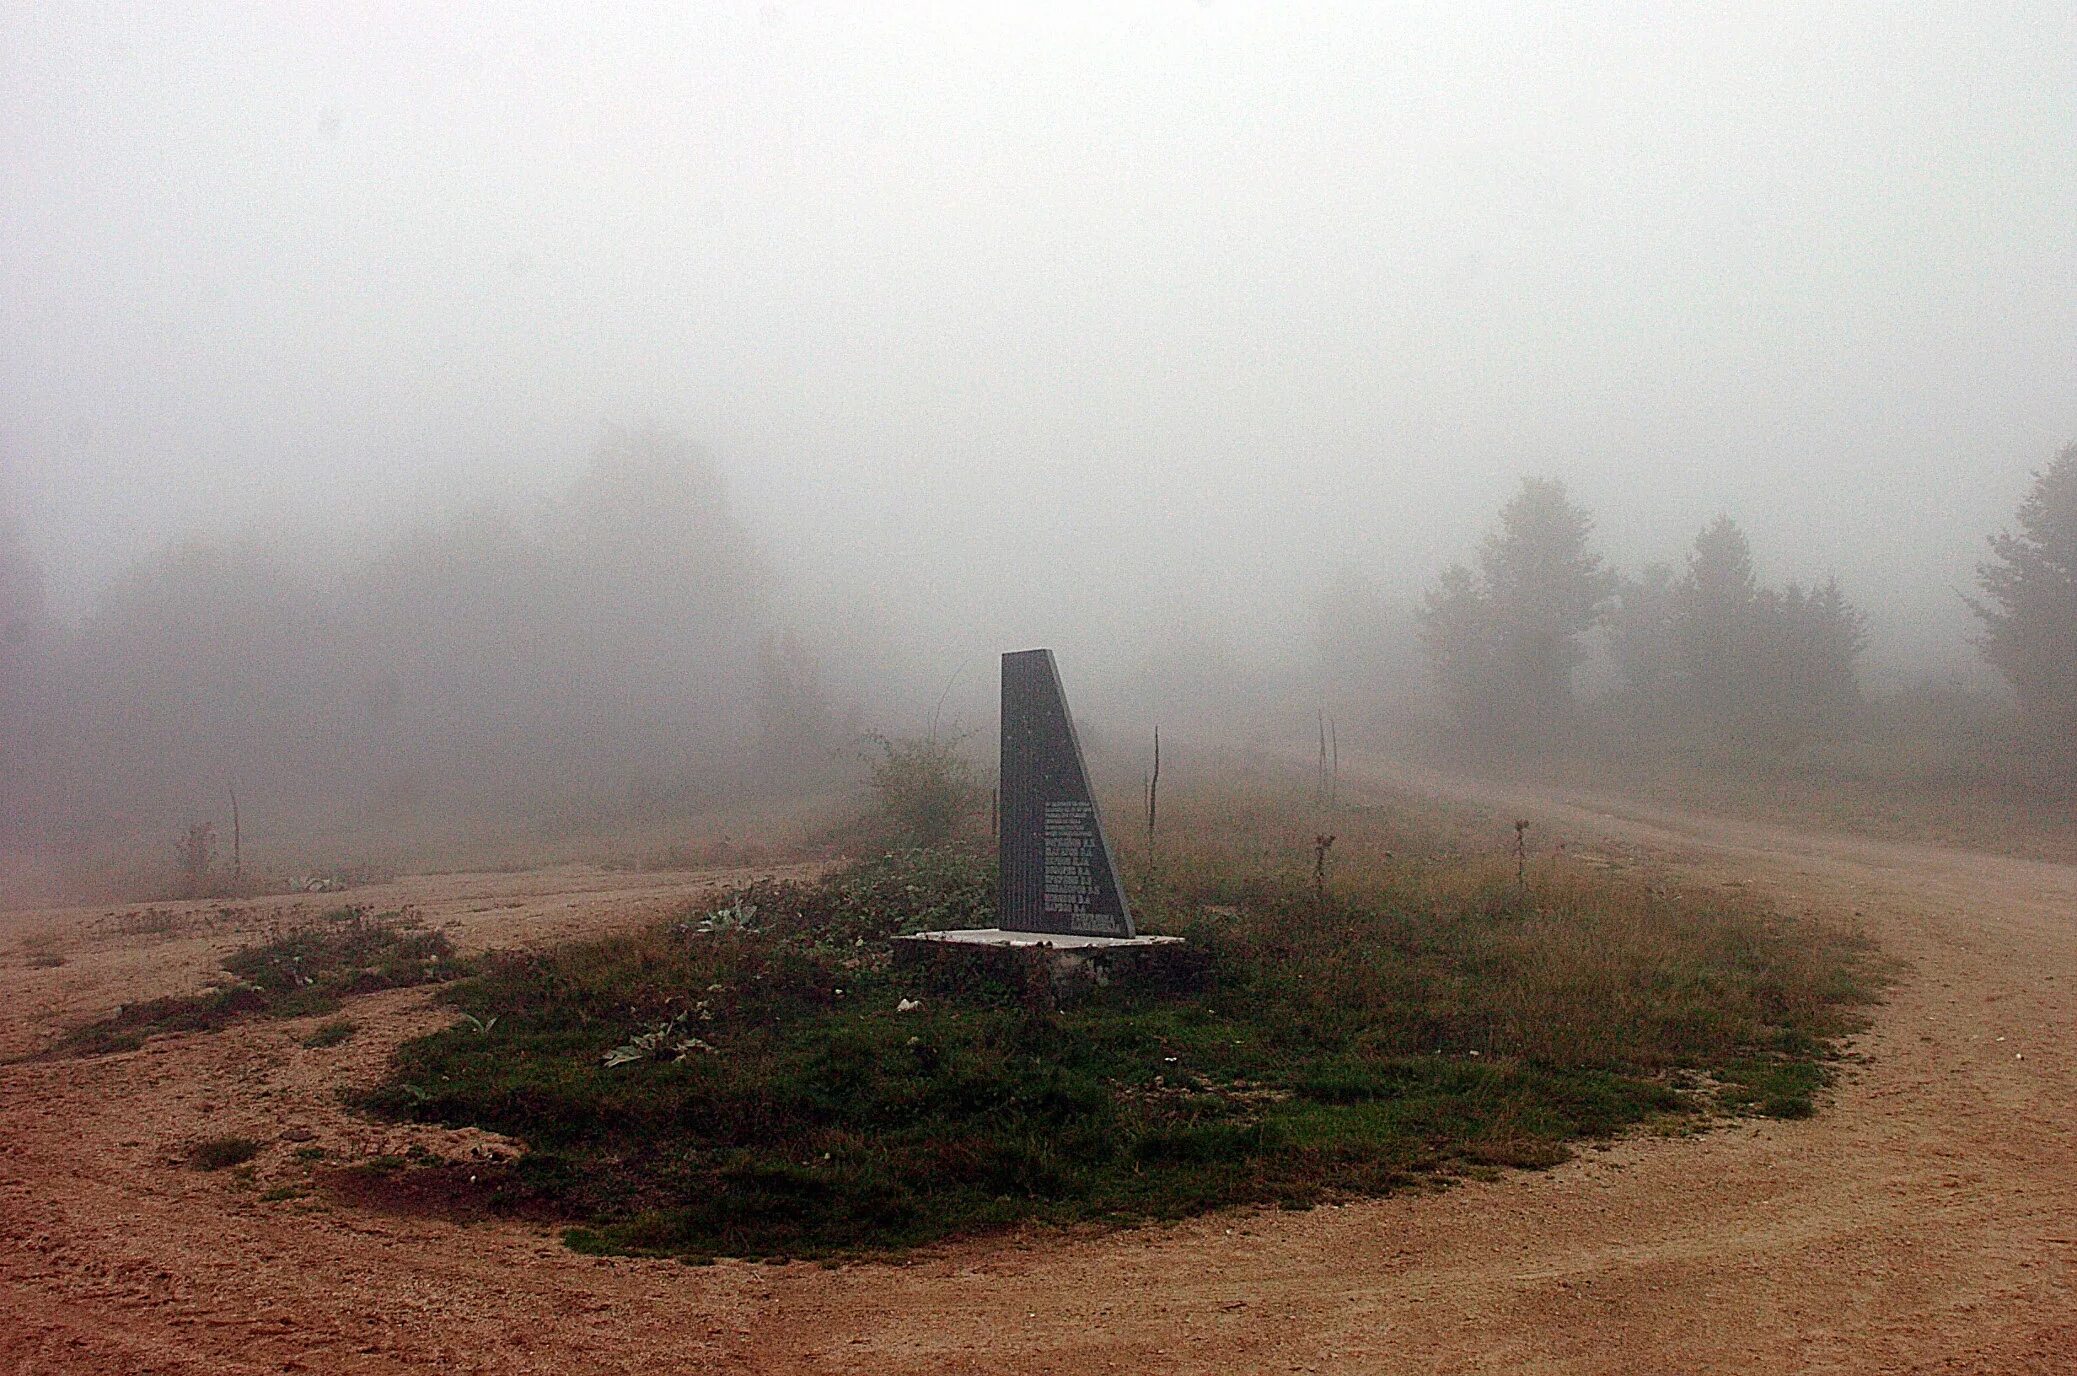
(1134, 331)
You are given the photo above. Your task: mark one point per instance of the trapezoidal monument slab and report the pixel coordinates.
(1057, 871)
(1062, 910)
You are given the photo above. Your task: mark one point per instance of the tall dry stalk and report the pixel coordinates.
(1320, 773)
(1333, 765)
(1153, 805)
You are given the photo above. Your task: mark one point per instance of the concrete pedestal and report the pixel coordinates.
(1068, 965)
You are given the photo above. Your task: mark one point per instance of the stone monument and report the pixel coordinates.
(1057, 870)
(1061, 906)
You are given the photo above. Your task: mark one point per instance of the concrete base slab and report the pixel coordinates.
(1062, 965)
(1065, 941)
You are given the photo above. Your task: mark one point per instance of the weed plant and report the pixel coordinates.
(923, 789)
(1425, 1014)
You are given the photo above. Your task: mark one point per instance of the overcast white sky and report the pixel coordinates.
(1013, 316)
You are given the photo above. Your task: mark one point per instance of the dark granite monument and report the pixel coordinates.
(1064, 920)
(1057, 870)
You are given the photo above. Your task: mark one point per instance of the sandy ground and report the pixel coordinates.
(1926, 1220)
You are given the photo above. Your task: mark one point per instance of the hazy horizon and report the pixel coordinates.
(1055, 324)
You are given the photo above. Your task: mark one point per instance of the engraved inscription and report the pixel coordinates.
(1071, 859)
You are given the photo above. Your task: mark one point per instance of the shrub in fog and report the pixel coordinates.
(1365, 643)
(25, 644)
(923, 789)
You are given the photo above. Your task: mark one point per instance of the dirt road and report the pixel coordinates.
(1926, 1220)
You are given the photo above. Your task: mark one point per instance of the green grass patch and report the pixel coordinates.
(331, 1034)
(219, 1153)
(1781, 1087)
(744, 1084)
(305, 971)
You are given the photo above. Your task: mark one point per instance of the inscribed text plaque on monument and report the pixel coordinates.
(1057, 871)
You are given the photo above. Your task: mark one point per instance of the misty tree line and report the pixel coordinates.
(625, 650)
(1708, 651)
(626, 653)
(1710, 655)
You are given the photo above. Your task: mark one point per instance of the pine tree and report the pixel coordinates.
(1504, 640)
(1718, 626)
(2029, 605)
(1731, 664)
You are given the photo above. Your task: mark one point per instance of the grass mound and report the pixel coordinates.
(305, 971)
(220, 1153)
(331, 1034)
(749, 1081)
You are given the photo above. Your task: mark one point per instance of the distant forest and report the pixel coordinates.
(625, 654)
(1709, 662)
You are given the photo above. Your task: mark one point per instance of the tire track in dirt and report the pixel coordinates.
(1926, 1220)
